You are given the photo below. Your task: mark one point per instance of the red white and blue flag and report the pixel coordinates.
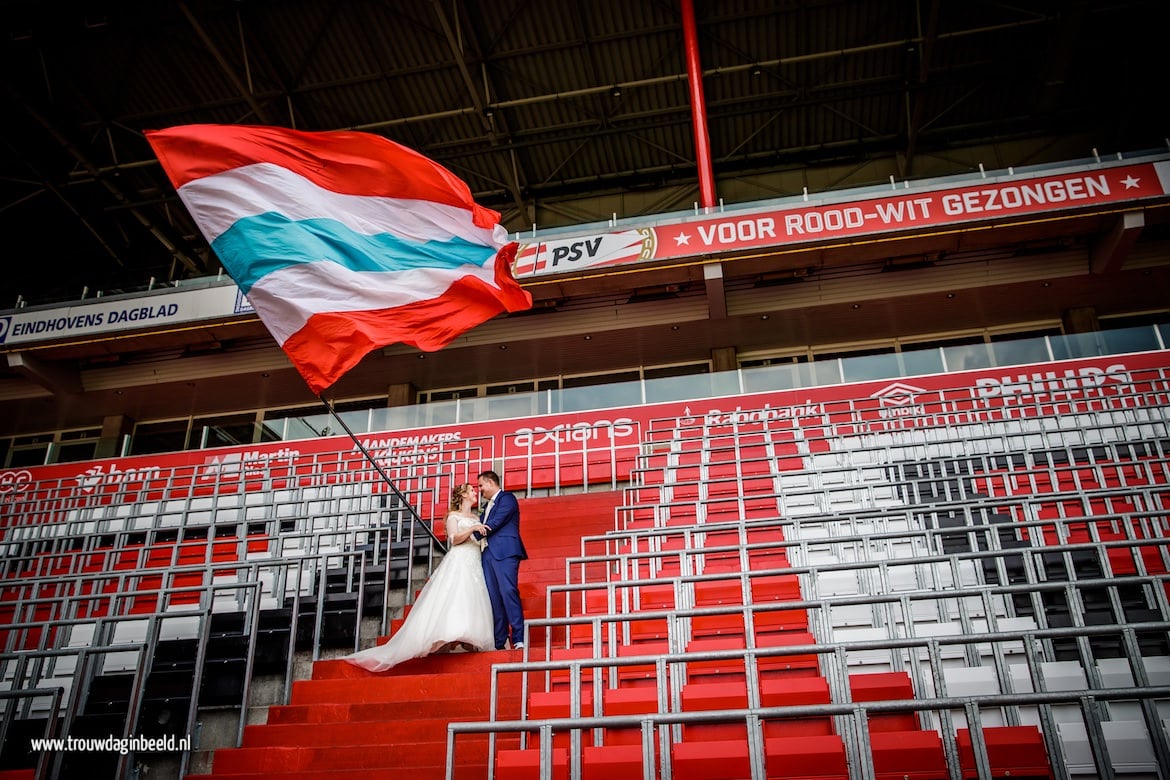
(342, 241)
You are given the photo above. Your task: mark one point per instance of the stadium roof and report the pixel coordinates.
(556, 112)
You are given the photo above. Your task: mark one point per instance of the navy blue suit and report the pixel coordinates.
(501, 567)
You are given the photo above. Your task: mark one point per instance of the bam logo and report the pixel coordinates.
(897, 394)
(97, 477)
(5, 326)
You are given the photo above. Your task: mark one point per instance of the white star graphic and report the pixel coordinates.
(681, 239)
(1130, 182)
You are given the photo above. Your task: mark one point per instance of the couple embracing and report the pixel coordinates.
(472, 600)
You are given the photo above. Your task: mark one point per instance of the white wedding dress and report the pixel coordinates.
(453, 606)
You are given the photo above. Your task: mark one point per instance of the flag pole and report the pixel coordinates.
(385, 477)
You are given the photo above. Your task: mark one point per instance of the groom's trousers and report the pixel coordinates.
(502, 576)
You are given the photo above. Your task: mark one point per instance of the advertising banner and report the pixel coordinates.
(743, 230)
(602, 447)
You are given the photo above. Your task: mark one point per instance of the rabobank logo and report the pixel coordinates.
(897, 394)
(5, 326)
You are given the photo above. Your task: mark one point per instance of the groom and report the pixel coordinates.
(501, 559)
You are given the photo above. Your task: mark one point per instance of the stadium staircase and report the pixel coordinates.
(346, 722)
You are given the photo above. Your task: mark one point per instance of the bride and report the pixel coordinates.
(453, 608)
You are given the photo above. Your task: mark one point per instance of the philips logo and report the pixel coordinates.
(5, 326)
(897, 394)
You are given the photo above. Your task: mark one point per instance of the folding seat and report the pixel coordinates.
(902, 755)
(613, 762)
(711, 759)
(626, 700)
(1012, 751)
(548, 705)
(732, 694)
(641, 675)
(525, 764)
(885, 686)
(561, 678)
(777, 666)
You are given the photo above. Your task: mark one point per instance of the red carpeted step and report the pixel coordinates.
(463, 708)
(348, 723)
(440, 663)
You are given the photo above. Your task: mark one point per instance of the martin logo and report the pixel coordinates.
(250, 464)
(897, 394)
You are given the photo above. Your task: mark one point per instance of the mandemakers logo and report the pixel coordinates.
(898, 399)
(5, 326)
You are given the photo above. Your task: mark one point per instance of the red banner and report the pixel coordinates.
(998, 198)
(594, 447)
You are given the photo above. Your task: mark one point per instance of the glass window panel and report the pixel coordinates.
(776, 377)
(1140, 339)
(169, 436)
(862, 368)
(824, 372)
(28, 456)
(73, 451)
(922, 361)
(225, 431)
(519, 405)
(442, 413)
(1078, 345)
(965, 357)
(1021, 351)
(678, 388)
(601, 396)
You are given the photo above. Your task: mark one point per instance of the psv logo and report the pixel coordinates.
(5, 327)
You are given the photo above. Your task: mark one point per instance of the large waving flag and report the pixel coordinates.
(342, 241)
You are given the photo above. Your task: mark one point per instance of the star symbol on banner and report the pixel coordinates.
(682, 239)
(1130, 182)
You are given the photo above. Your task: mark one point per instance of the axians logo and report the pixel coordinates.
(619, 428)
(5, 326)
(15, 482)
(897, 394)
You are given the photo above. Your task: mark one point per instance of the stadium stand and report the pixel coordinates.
(854, 466)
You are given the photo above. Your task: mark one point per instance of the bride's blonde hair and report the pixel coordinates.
(458, 494)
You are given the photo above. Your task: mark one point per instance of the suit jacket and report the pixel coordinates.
(504, 540)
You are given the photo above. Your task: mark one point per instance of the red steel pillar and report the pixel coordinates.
(698, 106)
